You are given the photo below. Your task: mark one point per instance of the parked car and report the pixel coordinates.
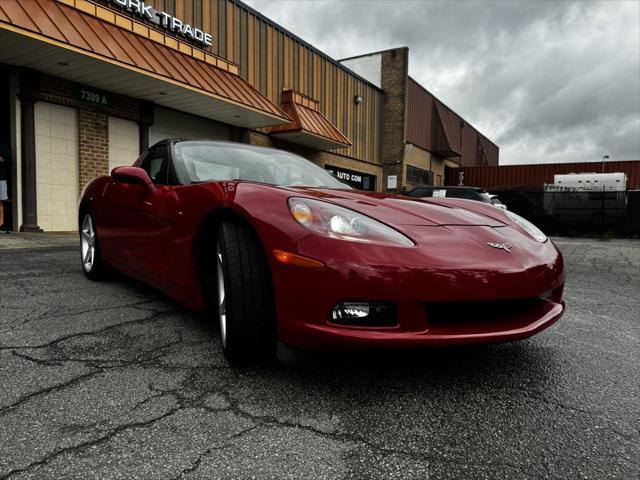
(286, 256)
(495, 200)
(468, 193)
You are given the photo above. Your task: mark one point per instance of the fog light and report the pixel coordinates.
(351, 310)
(368, 314)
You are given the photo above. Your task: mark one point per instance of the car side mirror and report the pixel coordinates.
(135, 176)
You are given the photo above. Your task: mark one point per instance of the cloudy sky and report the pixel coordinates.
(547, 81)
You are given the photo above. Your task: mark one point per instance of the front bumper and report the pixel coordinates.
(452, 301)
(457, 331)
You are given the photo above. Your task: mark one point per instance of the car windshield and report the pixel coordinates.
(205, 161)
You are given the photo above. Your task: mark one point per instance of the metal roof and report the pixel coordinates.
(309, 126)
(44, 34)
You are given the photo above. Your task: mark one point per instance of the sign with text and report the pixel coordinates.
(92, 96)
(165, 20)
(392, 182)
(359, 180)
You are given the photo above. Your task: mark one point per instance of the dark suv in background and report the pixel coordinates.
(468, 193)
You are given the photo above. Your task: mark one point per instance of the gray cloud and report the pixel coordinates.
(548, 81)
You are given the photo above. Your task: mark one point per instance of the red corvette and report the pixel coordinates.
(287, 255)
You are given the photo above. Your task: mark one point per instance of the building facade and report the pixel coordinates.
(87, 85)
(421, 135)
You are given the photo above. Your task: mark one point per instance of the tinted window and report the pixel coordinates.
(156, 163)
(466, 194)
(420, 192)
(419, 176)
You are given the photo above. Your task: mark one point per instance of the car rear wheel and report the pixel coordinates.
(90, 255)
(246, 309)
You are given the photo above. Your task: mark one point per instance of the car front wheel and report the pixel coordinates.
(246, 309)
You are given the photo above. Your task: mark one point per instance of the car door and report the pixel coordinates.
(139, 221)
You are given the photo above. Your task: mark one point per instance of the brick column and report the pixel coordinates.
(93, 148)
(395, 71)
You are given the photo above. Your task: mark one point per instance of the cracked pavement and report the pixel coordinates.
(113, 380)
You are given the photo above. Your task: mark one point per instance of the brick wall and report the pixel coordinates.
(438, 165)
(93, 148)
(320, 158)
(395, 65)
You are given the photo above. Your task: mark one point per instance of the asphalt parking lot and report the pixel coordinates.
(112, 380)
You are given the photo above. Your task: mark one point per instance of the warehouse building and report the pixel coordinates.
(421, 135)
(87, 85)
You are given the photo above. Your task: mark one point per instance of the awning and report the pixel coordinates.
(447, 132)
(65, 42)
(309, 127)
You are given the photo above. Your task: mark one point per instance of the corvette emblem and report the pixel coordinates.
(503, 246)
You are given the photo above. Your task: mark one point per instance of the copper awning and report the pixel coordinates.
(309, 126)
(63, 41)
(447, 132)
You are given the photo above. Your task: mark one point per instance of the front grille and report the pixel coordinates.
(482, 316)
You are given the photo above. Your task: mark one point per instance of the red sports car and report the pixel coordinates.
(289, 257)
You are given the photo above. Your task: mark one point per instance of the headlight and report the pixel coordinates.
(337, 222)
(527, 226)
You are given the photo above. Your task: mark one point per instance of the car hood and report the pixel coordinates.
(401, 210)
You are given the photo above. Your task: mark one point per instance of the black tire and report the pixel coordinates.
(96, 269)
(250, 324)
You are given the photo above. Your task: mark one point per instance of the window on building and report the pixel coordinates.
(419, 176)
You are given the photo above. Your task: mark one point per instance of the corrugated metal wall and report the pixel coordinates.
(271, 60)
(476, 148)
(535, 176)
(419, 116)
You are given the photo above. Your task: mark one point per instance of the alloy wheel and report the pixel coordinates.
(222, 310)
(87, 243)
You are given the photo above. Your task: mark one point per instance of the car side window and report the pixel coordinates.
(420, 192)
(156, 164)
